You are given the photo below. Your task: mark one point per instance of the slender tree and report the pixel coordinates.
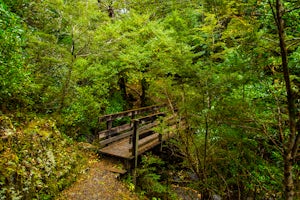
(292, 141)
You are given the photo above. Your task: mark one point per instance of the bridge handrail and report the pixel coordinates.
(129, 128)
(129, 113)
(113, 134)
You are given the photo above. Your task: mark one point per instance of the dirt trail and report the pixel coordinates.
(98, 183)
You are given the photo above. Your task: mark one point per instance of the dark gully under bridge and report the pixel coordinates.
(141, 130)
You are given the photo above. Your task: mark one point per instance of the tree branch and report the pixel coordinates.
(296, 146)
(273, 12)
(291, 10)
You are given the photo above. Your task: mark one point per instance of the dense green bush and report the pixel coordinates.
(149, 178)
(36, 162)
(14, 79)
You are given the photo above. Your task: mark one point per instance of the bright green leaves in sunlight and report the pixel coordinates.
(14, 77)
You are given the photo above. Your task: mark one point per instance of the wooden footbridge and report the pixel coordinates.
(133, 132)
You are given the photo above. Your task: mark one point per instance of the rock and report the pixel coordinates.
(216, 197)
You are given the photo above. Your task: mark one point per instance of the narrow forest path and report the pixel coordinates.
(98, 183)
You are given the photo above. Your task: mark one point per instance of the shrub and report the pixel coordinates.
(36, 161)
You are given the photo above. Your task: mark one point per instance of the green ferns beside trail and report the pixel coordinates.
(36, 161)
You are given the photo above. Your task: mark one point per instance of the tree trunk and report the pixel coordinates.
(291, 144)
(145, 86)
(205, 149)
(68, 79)
(4, 107)
(288, 176)
(111, 12)
(122, 86)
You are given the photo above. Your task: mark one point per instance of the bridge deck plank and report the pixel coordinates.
(119, 149)
(123, 148)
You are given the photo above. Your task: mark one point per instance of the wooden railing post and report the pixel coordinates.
(135, 146)
(132, 115)
(132, 120)
(160, 137)
(135, 140)
(108, 127)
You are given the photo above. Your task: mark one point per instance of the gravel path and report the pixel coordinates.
(98, 183)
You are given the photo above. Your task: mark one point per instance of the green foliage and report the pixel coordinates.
(218, 61)
(149, 178)
(230, 105)
(36, 161)
(14, 80)
(129, 183)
